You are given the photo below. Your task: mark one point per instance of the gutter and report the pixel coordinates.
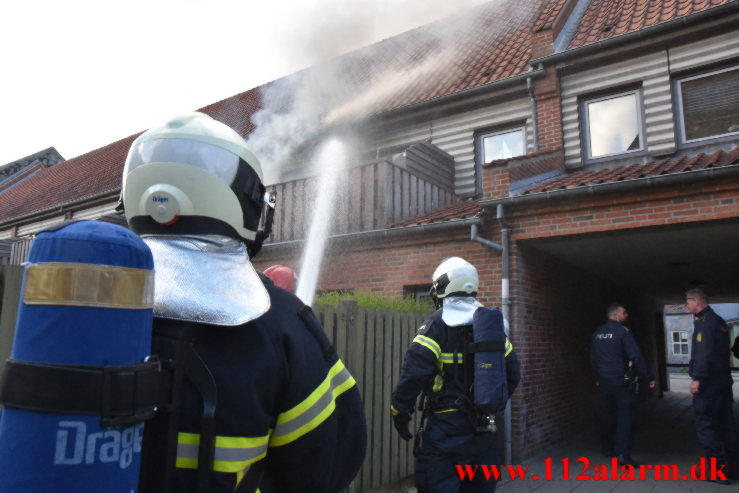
(50, 211)
(386, 232)
(645, 32)
(685, 177)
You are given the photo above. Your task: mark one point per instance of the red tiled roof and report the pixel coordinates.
(605, 19)
(636, 171)
(491, 42)
(461, 210)
(549, 14)
(88, 175)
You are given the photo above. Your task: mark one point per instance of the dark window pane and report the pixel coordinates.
(711, 105)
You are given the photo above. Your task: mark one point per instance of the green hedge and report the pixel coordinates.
(366, 299)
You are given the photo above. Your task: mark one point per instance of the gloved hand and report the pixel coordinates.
(401, 422)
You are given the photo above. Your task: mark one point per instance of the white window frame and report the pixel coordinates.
(680, 342)
(500, 131)
(680, 114)
(585, 118)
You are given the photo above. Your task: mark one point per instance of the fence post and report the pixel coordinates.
(11, 277)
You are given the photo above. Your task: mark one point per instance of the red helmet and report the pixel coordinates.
(282, 276)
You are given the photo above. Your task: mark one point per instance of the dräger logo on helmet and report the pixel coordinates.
(104, 446)
(160, 199)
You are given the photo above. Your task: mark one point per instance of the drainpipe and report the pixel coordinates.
(503, 249)
(534, 117)
(505, 293)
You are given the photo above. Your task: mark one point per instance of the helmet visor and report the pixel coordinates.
(210, 158)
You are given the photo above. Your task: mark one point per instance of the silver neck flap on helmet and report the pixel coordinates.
(458, 310)
(206, 279)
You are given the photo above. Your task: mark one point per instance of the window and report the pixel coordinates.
(680, 345)
(708, 105)
(502, 144)
(419, 292)
(613, 124)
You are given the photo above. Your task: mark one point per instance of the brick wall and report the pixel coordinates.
(549, 111)
(702, 201)
(553, 312)
(386, 265)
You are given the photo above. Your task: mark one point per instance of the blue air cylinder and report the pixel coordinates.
(490, 384)
(86, 300)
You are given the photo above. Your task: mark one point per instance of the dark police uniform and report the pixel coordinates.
(710, 365)
(434, 364)
(286, 405)
(613, 347)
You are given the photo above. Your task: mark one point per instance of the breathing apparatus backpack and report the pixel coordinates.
(490, 388)
(79, 383)
(488, 391)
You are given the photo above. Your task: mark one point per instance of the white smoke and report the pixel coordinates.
(297, 108)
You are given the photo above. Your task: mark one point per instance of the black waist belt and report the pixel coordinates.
(120, 395)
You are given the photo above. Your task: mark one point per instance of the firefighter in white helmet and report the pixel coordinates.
(287, 414)
(459, 398)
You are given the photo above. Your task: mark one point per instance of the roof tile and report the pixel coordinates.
(635, 171)
(458, 211)
(607, 18)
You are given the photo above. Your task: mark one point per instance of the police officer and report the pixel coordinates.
(288, 415)
(435, 365)
(613, 355)
(710, 371)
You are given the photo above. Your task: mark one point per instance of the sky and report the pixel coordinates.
(80, 74)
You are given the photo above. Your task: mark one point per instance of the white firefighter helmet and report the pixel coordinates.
(454, 277)
(193, 175)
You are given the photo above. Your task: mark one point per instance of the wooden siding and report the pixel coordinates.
(368, 197)
(453, 132)
(653, 72)
(650, 71)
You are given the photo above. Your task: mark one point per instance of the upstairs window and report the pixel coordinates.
(613, 124)
(502, 144)
(708, 105)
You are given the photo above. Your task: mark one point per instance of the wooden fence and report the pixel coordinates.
(371, 343)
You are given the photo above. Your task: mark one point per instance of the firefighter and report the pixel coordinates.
(710, 373)
(288, 415)
(453, 429)
(282, 276)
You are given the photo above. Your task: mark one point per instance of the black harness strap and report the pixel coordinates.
(173, 342)
(120, 395)
(485, 347)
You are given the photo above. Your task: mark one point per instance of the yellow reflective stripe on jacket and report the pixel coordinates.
(232, 454)
(442, 411)
(448, 358)
(315, 409)
(429, 344)
(394, 411)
